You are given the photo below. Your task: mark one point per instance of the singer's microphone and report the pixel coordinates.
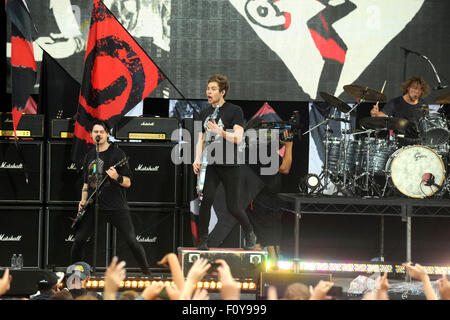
(97, 139)
(410, 51)
(428, 180)
(440, 87)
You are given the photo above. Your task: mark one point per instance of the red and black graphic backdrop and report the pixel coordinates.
(118, 74)
(23, 64)
(284, 50)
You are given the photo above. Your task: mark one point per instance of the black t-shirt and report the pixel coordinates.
(229, 115)
(272, 183)
(112, 196)
(398, 107)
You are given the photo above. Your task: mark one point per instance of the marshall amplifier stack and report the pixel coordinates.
(62, 128)
(21, 233)
(30, 125)
(146, 128)
(154, 176)
(64, 181)
(59, 238)
(155, 231)
(21, 172)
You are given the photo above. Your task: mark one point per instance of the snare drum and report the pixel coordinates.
(433, 129)
(407, 166)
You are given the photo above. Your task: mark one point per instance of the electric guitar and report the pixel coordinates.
(80, 214)
(202, 171)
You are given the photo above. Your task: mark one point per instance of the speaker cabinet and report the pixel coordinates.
(154, 229)
(59, 238)
(64, 182)
(14, 187)
(154, 179)
(20, 232)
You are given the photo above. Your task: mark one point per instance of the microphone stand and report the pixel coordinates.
(434, 70)
(96, 207)
(407, 51)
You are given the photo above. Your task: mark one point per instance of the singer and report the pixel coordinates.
(113, 205)
(227, 132)
(407, 105)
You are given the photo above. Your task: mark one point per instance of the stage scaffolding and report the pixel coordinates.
(403, 207)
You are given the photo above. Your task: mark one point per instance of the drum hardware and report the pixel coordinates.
(375, 166)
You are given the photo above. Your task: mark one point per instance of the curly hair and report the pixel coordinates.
(420, 81)
(222, 81)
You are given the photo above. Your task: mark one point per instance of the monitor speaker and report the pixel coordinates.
(155, 231)
(154, 176)
(20, 232)
(59, 238)
(16, 165)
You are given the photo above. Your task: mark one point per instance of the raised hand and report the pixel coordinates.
(230, 289)
(114, 275)
(320, 291)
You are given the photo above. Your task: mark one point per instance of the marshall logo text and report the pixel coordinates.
(10, 238)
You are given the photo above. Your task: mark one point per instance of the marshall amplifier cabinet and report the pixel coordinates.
(62, 128)
(155, 231)
(14, 186)
(64, 182)
(154, 177)
(21, 233)
(59, 238)
(146, 128)
(30, 125)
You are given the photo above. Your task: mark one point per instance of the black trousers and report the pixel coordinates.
(230, 177)
(120, 219)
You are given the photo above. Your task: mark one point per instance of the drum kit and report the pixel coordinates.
(368, 163)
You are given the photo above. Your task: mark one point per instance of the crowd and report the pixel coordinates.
(183, 288)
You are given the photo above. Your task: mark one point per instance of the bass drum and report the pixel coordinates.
(408, 166)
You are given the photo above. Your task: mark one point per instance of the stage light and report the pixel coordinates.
(311, 266)
(309, 183)
(285, 265)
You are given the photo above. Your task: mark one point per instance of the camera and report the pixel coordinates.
(292, 126)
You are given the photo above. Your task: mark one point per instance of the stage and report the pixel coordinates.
(401, 207)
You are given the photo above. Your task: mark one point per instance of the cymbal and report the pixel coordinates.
(335, 102)
(390, 123)
(443, 98)
(364, 93)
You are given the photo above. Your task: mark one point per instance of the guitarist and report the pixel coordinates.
(228, 128)
(113, 205)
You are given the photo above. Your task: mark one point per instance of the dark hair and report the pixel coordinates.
(420, 81)
(222, 81)
(100, 123)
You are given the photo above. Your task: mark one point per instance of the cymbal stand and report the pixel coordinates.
(344, 188)
(325, 171)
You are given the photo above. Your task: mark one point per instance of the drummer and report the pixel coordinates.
(409, 106)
